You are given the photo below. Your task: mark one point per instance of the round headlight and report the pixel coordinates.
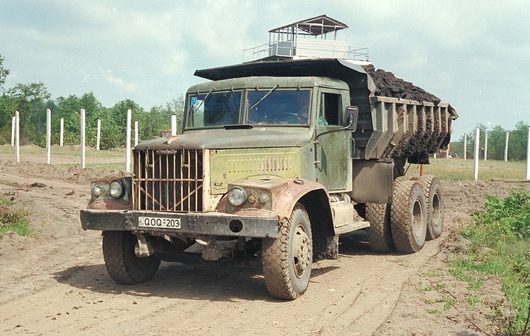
(237, 196)
(96, 191)
(116, 189)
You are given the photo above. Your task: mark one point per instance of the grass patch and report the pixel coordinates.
(500, 246)
(12, 220)
(459, 169)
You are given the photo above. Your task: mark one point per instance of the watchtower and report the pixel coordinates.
(316, 37)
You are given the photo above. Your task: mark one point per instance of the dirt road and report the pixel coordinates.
(55, 283)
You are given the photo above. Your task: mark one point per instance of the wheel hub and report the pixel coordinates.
(301, 251)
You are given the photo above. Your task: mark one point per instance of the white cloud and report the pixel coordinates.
(220, 28)
(448, 47)
(122, 84)
(175, 61)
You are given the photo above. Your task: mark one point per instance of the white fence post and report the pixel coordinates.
(465, 146)
(476, 154)
(17, 136)
(173, 125)
(506, 146)
(136, 133)
(98, 134)
(128, 143)
(61, 133)
(49, 135)
(13, 120)
(486, 145)
(82, 139)
(528, 155)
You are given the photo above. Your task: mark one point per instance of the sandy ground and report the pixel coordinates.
(54, 282)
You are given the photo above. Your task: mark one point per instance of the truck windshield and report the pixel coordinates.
(263, 107)
(214, 109)
(278, 107)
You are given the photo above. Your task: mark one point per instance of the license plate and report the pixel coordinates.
(159, 222)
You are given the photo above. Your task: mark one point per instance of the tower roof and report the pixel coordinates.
(317, 25)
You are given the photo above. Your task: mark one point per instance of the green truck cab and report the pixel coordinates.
(287, 155)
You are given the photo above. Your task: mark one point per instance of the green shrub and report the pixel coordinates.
(500, 245)
(12, 220)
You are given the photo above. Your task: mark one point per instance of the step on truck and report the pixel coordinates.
(284, 156)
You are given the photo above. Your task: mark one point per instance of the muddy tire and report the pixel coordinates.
(408, 216)
(435, 205)
(287, 259)
(380, 231)
(122, 264)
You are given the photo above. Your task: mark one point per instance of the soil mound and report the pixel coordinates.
(389, 85)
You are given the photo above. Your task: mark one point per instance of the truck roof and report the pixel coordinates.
(347, 71)
(268, 82)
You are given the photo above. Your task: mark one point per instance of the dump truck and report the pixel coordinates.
(281, 156)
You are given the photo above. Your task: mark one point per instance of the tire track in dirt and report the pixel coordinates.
(56, 283)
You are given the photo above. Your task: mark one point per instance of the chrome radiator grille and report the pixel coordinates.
(168, 180)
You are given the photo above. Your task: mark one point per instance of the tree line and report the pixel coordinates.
(517, 143)
(32, 100)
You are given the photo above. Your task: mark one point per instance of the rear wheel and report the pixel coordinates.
(408, 216)
(379, 232)
(435, 205)
(287, 259)
(122, 264)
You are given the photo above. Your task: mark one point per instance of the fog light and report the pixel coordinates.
(96, 191)
(263, 198)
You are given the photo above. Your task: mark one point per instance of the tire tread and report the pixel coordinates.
(379, 232)
(402, 234)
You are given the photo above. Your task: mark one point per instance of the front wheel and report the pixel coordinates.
(287, 259)
(122, 264)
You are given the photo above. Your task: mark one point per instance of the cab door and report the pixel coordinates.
(333, 149)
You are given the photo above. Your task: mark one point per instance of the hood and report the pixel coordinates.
(236, 138)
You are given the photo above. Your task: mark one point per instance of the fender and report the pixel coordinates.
(283, 193)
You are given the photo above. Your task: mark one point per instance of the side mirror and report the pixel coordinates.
(352, 113)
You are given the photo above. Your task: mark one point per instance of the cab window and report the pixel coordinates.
(330, 107)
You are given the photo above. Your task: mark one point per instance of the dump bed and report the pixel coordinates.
(387, 127)
(407, 128)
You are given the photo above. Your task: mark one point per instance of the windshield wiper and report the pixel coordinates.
(238, 126)
(265, 96)
(194, 109)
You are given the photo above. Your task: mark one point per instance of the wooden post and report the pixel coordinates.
(465, 146)
(528, 155)
(173, 125)
(61, 135)
(486, 145)
(49, 135)
(135, 133)
(17, 136)
(13, 126)
(506, 146)
(83, 139)
(476, 154)
(98, 134)
(128, 143)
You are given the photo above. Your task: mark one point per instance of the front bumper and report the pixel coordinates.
(211, 223)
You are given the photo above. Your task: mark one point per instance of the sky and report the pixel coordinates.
(474, 55)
